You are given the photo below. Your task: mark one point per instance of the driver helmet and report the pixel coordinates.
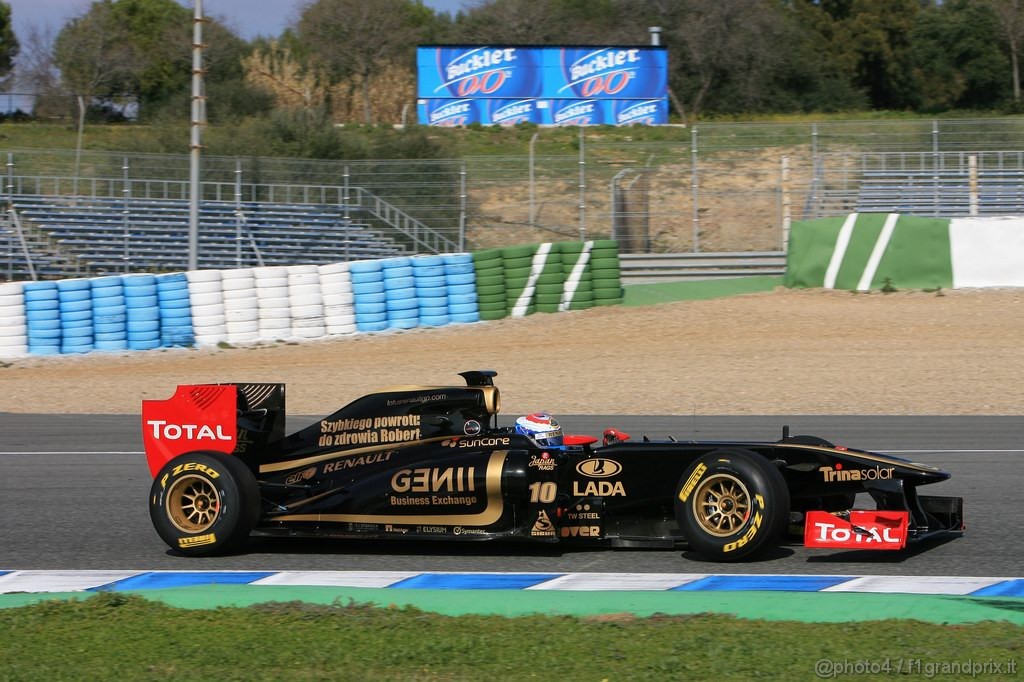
(542, 428)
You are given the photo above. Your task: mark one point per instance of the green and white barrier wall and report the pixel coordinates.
(864, 251)
(300, 302)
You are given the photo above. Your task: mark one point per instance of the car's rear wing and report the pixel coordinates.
(236, 419)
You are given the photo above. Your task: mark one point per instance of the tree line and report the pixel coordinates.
(353, 61)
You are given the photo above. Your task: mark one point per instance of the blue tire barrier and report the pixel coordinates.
(75, 306)
(136, 302)
(400, 271)
(110, 317)
(175, 303)
(370, 308)
(461, 308)
(105, 282)
(390, 263)
(134, 326)
(176, 317)
(458, 269)
(461, 288)
(376, 297)
(427, 261)
(41, 295)
(457, 258)
(465, 278)
(359, 288)
(39, 286)
(360, 267)
(105, 337)
(466, 317)
(42, 304)
(410, 323)
(371, 317)
(399, 283)
(76, 331)
(77, 316)
(433, 311)
(371, 326)
(75, 296)
(434, 282)
(108, 301)
(143, 335)
(169, 294)
(143, 345)
(43, 325)
(457, 299)
(35, 335)
(139, 281)
(77, 348)
(65, 285)
(404, 314)
(107, 294)
(32, 314)
(403, 304)
(109, 327)
(45, 349)
(400, 294)
(143, 314)
(434, 320)
(112, 345)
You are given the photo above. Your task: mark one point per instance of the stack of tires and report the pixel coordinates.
(42, 318)
(519, 290)
(13, 321)
(400, 293)
(241, 315)
(336, 287)
(368, 295)
(489, 277)
(175, 310)
(142, 312)
(578, 291)
(605, 272)
(273, 307)
(307, 302)
(460, 283)
(547, 277)
(431, 290)
(109, 314)
(76, 331)
(207, 298)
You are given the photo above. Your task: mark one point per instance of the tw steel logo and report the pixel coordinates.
(165, 431)
(599, 468)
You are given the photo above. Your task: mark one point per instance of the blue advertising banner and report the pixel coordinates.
(505, 85)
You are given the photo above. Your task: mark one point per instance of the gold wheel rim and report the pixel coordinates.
(721, 505)
(193, 504)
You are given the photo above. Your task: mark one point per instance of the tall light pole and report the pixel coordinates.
(198, 120)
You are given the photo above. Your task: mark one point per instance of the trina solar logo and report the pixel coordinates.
(841, 475)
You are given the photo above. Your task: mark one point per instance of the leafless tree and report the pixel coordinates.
(1010, 14)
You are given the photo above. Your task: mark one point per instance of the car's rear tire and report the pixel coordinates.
(732, 505)
(204, 503)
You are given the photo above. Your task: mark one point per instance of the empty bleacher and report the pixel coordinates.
(111, 234)
(943, 193)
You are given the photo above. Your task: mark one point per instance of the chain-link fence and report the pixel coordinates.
(722, 187)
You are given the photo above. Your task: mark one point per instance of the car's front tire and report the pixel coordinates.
(204, 503)
(732, 505)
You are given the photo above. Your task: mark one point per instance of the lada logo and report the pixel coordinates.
(598, 468)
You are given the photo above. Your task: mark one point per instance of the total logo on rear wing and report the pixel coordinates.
(202, 417)
(857, 529)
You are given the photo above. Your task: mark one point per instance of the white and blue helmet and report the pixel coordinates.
(542, 428)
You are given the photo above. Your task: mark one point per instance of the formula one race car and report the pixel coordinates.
(415, 462)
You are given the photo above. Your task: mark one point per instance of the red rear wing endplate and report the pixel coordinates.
(200, 417)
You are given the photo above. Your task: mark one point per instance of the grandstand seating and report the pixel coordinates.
(945, 193)
(152, 234)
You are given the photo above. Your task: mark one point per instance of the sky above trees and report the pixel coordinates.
(248, 17)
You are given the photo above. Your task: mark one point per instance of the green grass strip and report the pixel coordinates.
(666, 292)
(124, 637)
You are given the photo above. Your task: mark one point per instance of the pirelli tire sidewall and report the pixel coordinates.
(739, 474)
(204, 503)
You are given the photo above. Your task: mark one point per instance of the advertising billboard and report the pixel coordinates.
(578, 85)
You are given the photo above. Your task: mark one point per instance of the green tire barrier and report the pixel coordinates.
(549, 277)
(865, 251)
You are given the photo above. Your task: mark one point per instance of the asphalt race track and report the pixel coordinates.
(73, 494)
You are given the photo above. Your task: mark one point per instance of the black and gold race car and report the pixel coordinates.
(433, 463)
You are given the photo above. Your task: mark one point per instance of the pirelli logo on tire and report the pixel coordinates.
(197, 540)
(691, 482)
